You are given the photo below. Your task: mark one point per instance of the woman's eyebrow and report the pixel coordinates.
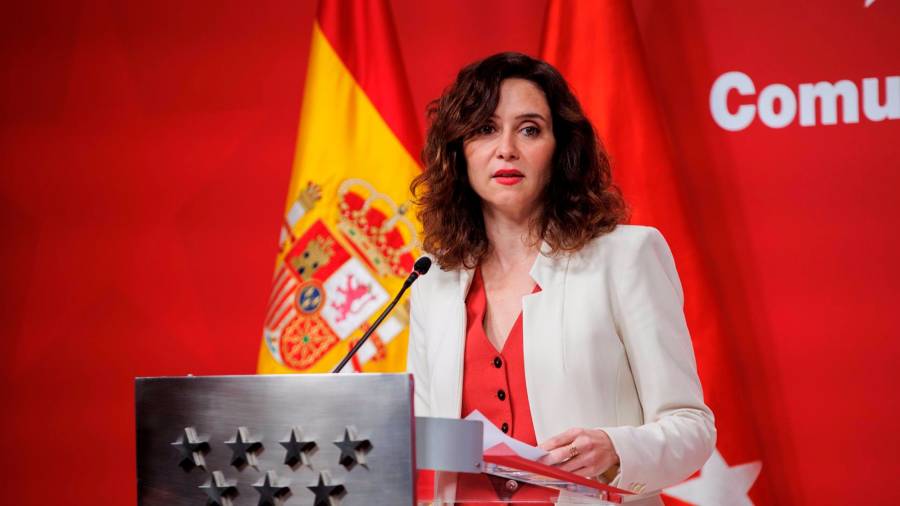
(532, 115)
(525, 115)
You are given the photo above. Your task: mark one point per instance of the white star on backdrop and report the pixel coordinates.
(718, 484)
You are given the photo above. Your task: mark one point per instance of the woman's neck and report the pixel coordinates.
(510, 237)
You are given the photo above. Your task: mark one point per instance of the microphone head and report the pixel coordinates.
(422, 265)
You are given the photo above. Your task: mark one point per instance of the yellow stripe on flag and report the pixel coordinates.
(347, 236)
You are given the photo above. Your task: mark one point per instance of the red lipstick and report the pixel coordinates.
(508, 177)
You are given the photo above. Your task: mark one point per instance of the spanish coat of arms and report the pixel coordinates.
(329, 282)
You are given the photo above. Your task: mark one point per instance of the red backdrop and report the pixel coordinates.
(146, 149)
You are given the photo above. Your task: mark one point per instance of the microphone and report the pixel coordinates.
(419, 269)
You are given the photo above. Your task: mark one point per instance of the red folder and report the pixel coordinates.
(503, 455)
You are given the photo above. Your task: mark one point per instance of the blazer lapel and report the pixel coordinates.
(542, 329)
(448, 368)
(542, 334)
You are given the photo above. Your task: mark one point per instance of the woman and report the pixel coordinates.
(563, 326)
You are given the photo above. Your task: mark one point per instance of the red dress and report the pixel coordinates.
(494, 384)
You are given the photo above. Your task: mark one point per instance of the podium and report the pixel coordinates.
(318, 440)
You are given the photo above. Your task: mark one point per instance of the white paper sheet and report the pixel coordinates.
(494, 436)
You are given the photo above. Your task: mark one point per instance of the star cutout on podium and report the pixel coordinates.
(298, 450)
(271, 494)
(718, 483)
(353, 449)
(243, 449)
(219, 492)
(192, 449)
(326, 493)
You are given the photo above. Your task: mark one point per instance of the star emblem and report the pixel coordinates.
(243, 450)
(298, 450)
(192, 449)
(718, 483)
(219, 492)
(271, 494)
(353, 449)
(326, 493)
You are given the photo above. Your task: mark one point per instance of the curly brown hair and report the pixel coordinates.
(579, 203)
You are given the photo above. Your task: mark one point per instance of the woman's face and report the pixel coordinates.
(508, 159)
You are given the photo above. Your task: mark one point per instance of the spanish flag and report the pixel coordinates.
(348, 239)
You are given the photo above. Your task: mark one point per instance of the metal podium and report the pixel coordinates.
(249, 440)
(318, 440)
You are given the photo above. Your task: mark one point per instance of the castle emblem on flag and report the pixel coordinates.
(331, 280)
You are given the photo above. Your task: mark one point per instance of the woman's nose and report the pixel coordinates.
(507, 149)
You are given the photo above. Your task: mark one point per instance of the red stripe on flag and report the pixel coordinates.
(362, 33)
(287, 311)
(279, 282)
(277, 295)
(277, 307)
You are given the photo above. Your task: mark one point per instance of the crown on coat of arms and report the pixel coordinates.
(377, 227)
(309, 195)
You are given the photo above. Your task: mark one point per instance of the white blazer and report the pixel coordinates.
(606, 346)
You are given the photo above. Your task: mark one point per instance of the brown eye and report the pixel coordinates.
(531, 131)
(485, 130)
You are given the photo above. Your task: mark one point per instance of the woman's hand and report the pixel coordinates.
(586, 452)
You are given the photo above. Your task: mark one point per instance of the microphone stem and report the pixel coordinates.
(374, 326)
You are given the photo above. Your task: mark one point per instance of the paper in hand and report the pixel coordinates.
(494, 436)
